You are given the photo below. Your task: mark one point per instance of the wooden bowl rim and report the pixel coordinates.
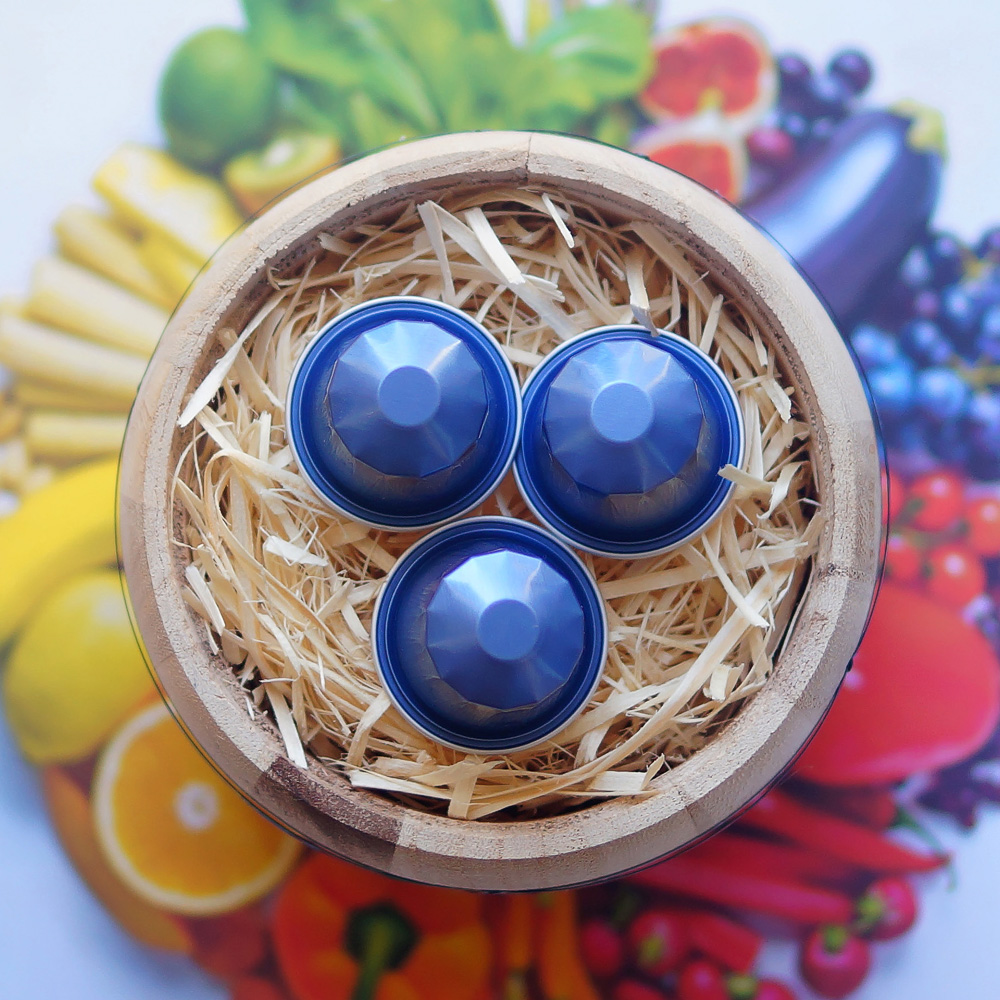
(600, 840)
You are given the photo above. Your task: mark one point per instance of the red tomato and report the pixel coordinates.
(700, 980)
(954, 575)
(937, 498)
(658, 941)
(889, 907)
(601, 948)
(834, 962)
(982, 519)
(898, 494)
(903, 560)
(924, 693)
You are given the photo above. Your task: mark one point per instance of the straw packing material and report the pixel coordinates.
(286, 588)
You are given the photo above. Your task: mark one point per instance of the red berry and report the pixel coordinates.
(903, 560)
(954, 575)
(937, 499)
(888, 909)
(602, 948)
(632, 989)
(700, 980)
(982, 519)
(771, 989)
(834, 962)
(658, 942)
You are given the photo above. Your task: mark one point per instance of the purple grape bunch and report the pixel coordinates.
(931, 352)
(809, 106)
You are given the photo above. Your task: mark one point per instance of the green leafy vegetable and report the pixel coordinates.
(599, 54)
(378, 69)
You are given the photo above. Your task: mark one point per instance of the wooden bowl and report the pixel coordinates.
(601, 840)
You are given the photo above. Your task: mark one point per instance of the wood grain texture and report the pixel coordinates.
(601, 840)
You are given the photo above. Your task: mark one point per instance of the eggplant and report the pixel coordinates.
(848, 216)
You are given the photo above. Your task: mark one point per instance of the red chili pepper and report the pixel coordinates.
(780, 859)
(733, 945)
(780, 814)
(874, 807)
(924, 693)
(739, 887)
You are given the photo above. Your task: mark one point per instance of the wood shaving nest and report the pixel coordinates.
(286, 587)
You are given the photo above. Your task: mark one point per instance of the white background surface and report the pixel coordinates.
(78, 78)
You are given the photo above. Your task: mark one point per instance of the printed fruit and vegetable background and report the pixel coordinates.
(817, 887)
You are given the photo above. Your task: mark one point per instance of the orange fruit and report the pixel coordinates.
(172, 828)
(70, 813)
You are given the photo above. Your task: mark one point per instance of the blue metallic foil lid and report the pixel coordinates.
(624, 436)
(489, 635)
(403, 413)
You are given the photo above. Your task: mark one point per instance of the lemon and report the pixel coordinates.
(218, 97)
(75, 671)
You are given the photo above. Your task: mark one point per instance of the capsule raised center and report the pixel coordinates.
(507, 630)
(409, 396)
(622, 412)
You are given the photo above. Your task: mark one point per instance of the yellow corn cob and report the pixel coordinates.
(33, 394)
(11, 416)
(72, 298)
(98, 242)
(61, 359)
(13, 463)
(174, 269)
(61, 437)
(154, 193)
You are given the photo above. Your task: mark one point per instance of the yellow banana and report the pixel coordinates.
(59, 530)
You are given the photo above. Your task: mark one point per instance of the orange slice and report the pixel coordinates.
(174, 830)
(69, 811)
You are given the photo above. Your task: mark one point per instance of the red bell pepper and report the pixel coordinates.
(923, 694)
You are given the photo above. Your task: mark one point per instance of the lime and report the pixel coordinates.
(75, 670)
(218, 97)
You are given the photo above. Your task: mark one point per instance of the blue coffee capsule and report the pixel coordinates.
(624, 436)
(489, 635)
(403, 413)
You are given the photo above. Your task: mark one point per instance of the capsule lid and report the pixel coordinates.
(403, 413)
(624, 436)
(489, 635)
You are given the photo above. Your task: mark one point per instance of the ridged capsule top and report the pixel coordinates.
(624, 437)
(489, 635)
(403, 413)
